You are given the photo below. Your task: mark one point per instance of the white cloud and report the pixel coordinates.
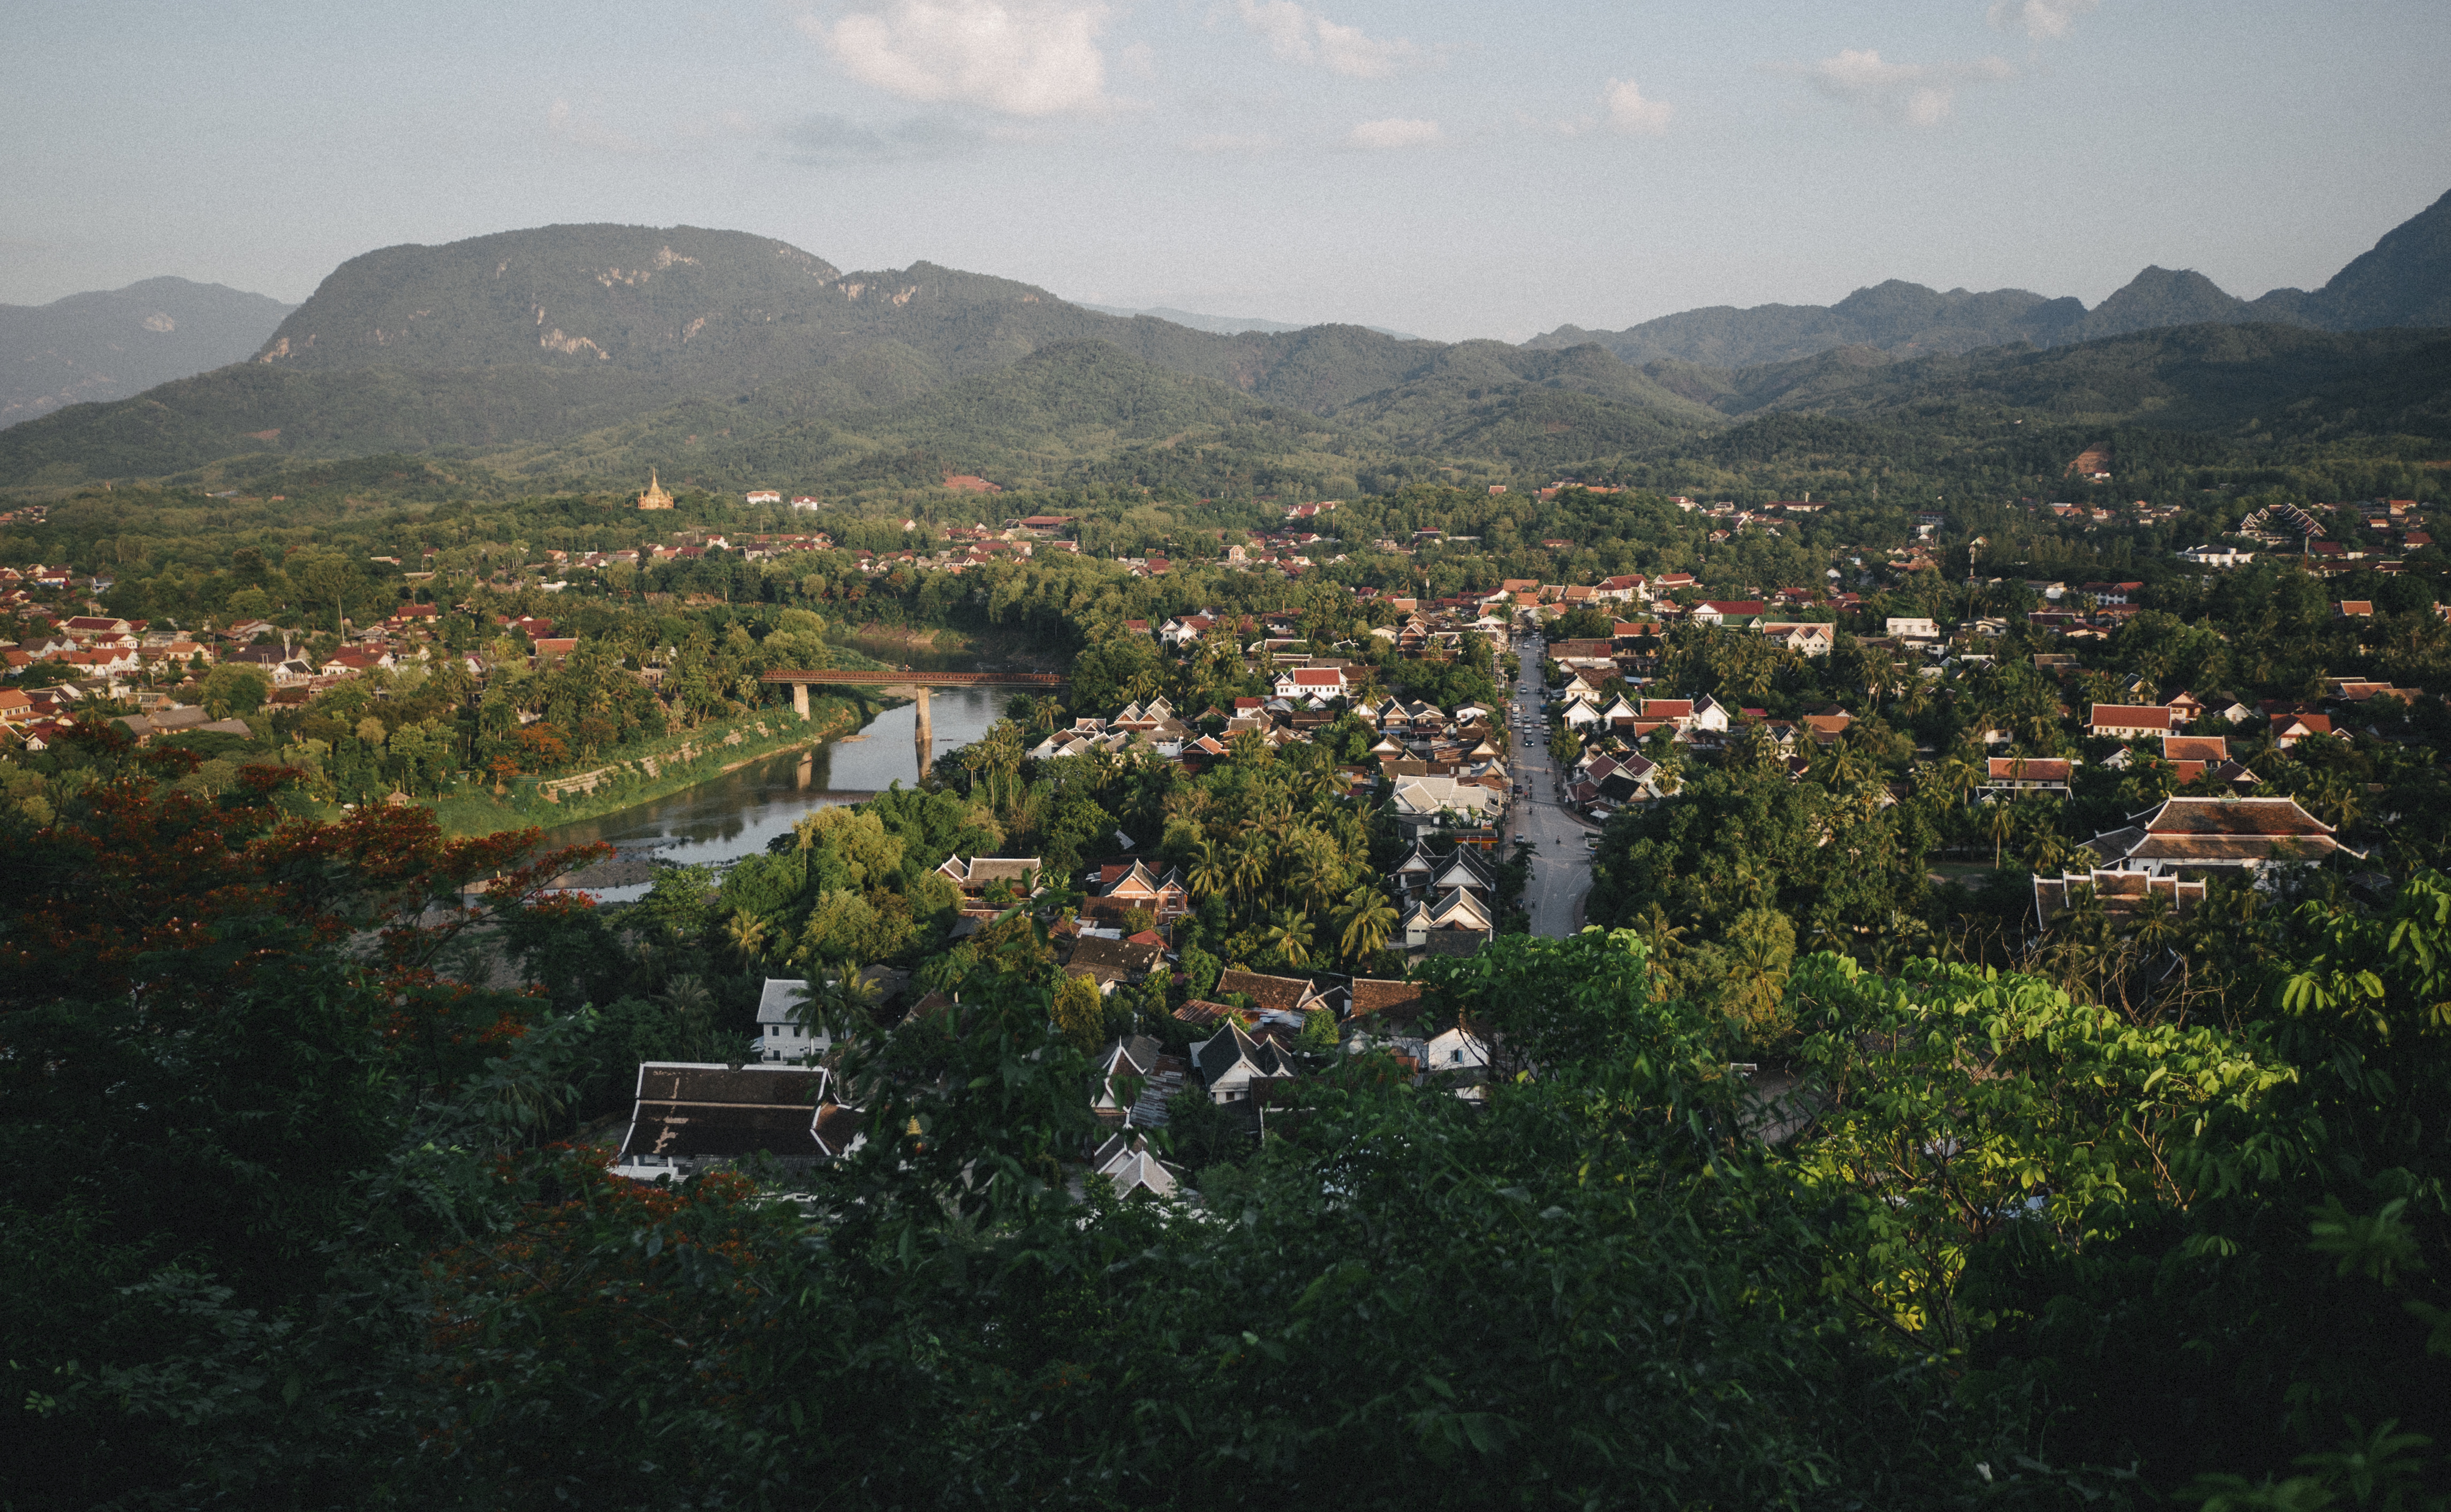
(1300, 35)
(1018, 57)
(1919, 93)
(1397, 132)
(2042, 20)
(566, 125)
(1629, 113)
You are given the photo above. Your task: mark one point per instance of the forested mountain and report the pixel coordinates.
(2405, 280)
(583, 353)
(91, 347)
(1892, 316)
(2278, 380)
(1226, 324)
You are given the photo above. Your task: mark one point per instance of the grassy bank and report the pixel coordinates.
(655, 768)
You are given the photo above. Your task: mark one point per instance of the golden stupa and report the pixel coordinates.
(655, 497)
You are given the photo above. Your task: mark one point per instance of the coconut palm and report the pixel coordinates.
(1960, 777)
(1248, 868)
(2156, 922)
(1999, 826)
(1288, 938)
(745, 933)
(1366, 922)
(1212, 870)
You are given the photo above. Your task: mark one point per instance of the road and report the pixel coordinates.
(1562, 868)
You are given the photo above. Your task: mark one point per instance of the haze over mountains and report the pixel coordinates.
(2404, 279)
(578, 352)
(89, 348)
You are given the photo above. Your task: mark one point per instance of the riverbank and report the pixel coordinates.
(654, 770)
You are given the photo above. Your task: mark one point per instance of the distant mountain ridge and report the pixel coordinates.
(2403, 281)
(577, 341)
(1223, 324)
(113, 343)
(565, 351)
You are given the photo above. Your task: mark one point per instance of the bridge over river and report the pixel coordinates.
(913, 685)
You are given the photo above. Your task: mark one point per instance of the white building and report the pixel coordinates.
(780, 1039)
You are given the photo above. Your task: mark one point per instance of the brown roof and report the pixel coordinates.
(2195, 748)
(1114, 960)
(2031, 769)
(2130, 717)
(1284, 994)
(1371, 995)
(714, 1113)
(2257, 817)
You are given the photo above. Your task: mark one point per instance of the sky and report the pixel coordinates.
(1445, 169)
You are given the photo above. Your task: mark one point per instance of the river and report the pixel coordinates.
(735, 814)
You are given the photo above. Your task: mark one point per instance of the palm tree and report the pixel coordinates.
(1960, 778)
(1663, 938)
(694, 1006)
(747, 935)
(1319, 870)
(1321, 783)
(1248, 869)
(1288, 936)
(1366, 923)
(1211, 871)
(2047, 850)
(2000, 825)
(841, 1006)
(2157, 923)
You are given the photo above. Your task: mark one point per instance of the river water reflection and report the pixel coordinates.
(736, 813)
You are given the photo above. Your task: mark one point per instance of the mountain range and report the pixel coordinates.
(89, 348)
(1223, 325)
(2403, 280)
(590, 352)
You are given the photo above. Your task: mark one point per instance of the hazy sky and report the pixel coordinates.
(1453, 170)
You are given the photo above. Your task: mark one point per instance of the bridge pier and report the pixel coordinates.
(800, 700)
(921, 735)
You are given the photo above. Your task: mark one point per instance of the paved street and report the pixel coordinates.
(1562, 869)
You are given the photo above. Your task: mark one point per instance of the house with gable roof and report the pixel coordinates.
(1132, 885)
(1300, 683)
(690, 1116)
(2134, 721)
(2196, 836)
(976, 874)
(1233, 1064)
(1296, 995)
(1127, 1164)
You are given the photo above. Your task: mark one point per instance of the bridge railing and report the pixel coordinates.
(834, 677)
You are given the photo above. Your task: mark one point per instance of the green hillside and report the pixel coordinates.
(2282, 380)
(252, 408)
